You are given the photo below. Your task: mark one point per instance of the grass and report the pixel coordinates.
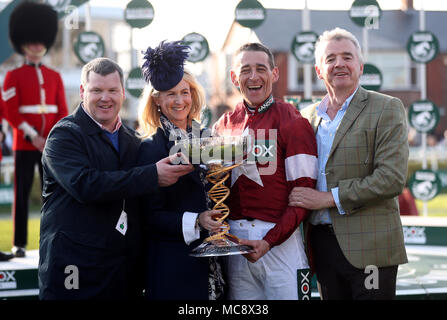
(6, 224)
(6, 234)
(437, 207)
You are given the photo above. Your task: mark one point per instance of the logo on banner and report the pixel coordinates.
(199, 47)
(425, 184)
(7, 280)
(414, 235)
(89, 45)
(423, 46)
(303, 277)
(423, 115)
(366, 13)
(303, 46)
(372, 78)
(139, 13)
(135, 82)
(250, 13)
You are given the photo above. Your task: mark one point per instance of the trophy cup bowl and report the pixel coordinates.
(217, 156)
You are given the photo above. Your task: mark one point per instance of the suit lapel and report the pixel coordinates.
(312, 116)
(84, 120)
(126, 141)
(356, 106)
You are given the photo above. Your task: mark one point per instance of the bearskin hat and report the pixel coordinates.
(32, 22)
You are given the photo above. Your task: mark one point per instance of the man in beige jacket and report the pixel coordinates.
(354, 237)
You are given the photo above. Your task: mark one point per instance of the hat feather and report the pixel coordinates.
(163, 65)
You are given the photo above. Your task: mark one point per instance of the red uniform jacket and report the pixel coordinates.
(33, 95)
(263, 192)
(1, 119)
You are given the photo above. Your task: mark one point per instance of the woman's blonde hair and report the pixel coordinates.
(149, 116)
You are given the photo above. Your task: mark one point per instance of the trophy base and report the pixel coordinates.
(223, 247)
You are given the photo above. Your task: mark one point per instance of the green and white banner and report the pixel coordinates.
(372, 78)
(303, 46)
(365, 13)
(250, 13)
(139, 13)
(425, 184)
(423, 115)
(135, 82)
(88, 46)
(199, 47)
(423, 46)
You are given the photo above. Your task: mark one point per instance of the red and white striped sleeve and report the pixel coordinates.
(301, 170)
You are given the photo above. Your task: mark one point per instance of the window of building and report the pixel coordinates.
(296, 76)
(398, 70)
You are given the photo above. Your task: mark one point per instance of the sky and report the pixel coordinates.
(213, 18)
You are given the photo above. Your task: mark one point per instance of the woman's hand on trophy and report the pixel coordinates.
(260, 247)
(207, 220)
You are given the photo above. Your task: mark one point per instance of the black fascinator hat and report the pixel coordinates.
(163, 65)
(32, 22)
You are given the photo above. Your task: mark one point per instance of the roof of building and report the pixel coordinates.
(395, 27)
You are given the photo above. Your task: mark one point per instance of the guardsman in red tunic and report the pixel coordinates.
(2, 134)
(3, 256)
(34, 100)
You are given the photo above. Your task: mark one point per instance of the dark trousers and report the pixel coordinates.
(340, 280)
(24, 166)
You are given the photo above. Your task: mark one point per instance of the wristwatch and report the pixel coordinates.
(197, 225)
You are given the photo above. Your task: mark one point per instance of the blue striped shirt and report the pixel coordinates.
(325, 137)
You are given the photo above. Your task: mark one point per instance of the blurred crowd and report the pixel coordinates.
(433, 140)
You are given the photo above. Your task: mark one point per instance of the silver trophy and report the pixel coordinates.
(217, 156)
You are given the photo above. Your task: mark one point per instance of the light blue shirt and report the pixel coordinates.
(325, 137)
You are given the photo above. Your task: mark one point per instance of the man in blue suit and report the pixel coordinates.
(90, 229)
